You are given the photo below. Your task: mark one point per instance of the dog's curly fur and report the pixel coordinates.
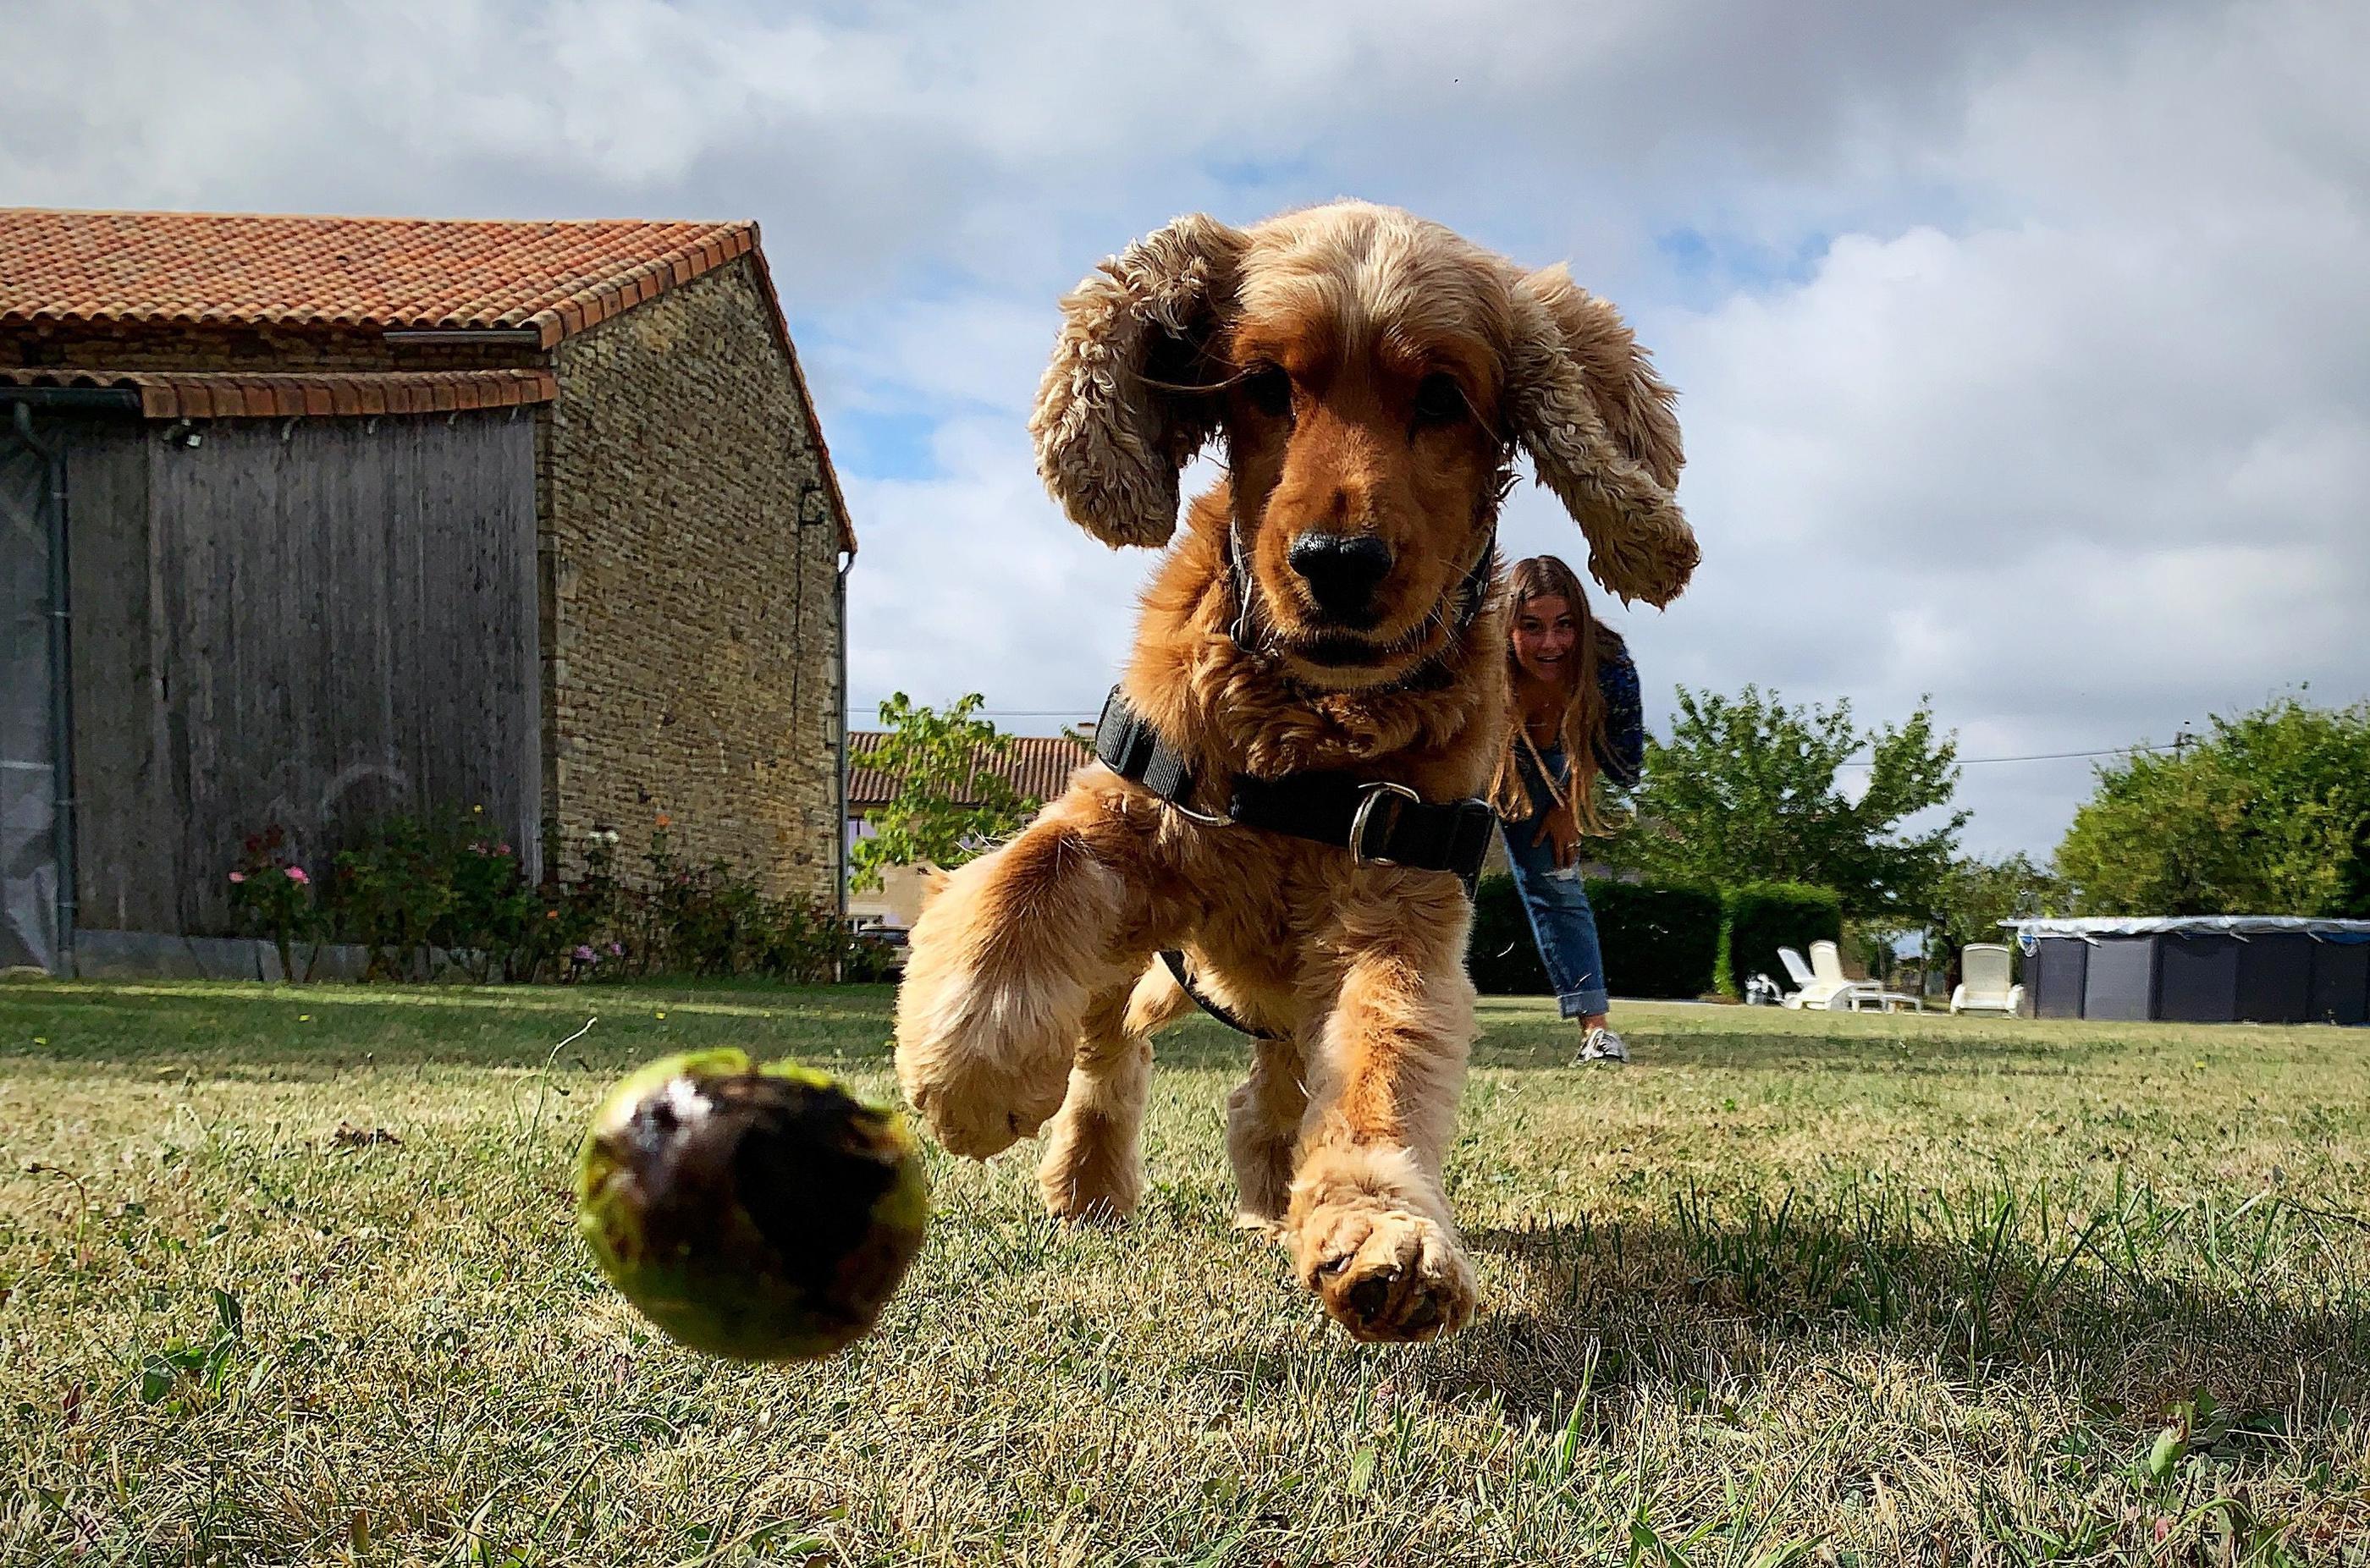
(1369, 373)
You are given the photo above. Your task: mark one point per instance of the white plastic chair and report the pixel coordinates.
(1812, 987)
(1843, 993)
(1827, 963)
(1988, 968)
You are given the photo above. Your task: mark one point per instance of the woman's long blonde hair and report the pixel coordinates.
(1546, 577)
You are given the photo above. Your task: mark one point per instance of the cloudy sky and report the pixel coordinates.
(2024, 348)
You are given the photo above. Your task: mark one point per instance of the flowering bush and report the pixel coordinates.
(489, 918)
(709, 920)
(394, 893)
(273, 896)
(427, 894)
(871, 960)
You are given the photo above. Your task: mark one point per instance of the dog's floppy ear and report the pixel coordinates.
(1583, 400)
(1111, 441)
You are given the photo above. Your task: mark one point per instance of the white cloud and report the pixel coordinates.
(971, 581)
(2087, 469)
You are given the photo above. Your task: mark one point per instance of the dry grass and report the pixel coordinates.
(1845, 1287)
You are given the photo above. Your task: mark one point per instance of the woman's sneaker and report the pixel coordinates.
(1603, 1045)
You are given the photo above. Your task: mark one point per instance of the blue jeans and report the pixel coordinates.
(1562, 922)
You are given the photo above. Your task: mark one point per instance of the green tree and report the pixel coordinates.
(1973, 896)
(2269, 815)
(951, 801)
(1748, 789)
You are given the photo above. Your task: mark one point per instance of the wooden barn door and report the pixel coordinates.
(30, 926)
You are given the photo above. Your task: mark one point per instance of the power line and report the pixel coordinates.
(2046, 755)
(2057, 756)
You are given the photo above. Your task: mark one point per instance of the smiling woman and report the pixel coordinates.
(1576, 717)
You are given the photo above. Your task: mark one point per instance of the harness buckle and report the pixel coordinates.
(1369, 794)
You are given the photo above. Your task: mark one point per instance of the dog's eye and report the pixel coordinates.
(1269, 389)
(1438, 400)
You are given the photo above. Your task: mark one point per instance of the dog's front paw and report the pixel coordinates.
(979, 1067)
(999, 974)
(978, 1116)
(1384, 1274)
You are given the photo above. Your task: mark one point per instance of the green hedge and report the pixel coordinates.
(1762, 917)
(1500, 956)
(1659, 939)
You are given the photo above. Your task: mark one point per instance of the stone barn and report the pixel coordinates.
(312, 520)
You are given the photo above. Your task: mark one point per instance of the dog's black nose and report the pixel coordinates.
(1341, 571)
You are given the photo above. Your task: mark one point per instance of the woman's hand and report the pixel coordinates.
(1560, 832)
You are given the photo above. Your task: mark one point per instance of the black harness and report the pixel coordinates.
(1379, 822)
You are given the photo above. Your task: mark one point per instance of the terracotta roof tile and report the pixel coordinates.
(219, 268)
(230, 269)
(1037, 765)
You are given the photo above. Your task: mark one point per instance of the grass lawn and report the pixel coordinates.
(1848, 1288)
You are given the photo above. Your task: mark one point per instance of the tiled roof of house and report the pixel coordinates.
(241, 269)
(75, 269)
(1038, 766)
(219, 394)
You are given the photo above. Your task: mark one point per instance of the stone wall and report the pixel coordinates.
(690, 617)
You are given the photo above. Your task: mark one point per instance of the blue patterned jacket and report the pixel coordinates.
(1622, 749)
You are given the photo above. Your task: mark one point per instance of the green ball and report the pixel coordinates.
(759, 1213)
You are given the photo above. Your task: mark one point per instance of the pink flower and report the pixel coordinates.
(583, 954)
(615, 951)
(239, 876)
(501, 849)
(296, 875)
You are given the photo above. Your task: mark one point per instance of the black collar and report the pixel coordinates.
(1379, 822)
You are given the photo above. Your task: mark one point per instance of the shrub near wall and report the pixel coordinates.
(1762, 917)
(1659, 939)
(435, 896)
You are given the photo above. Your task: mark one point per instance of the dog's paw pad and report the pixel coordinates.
(1389, 1277)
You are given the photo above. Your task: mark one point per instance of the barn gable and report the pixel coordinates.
(377, 514)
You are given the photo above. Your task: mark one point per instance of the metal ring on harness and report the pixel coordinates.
(1369, 794)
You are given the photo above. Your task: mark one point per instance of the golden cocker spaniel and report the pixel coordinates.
(1324, 630)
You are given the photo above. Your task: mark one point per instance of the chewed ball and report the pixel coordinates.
(760, 1213)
